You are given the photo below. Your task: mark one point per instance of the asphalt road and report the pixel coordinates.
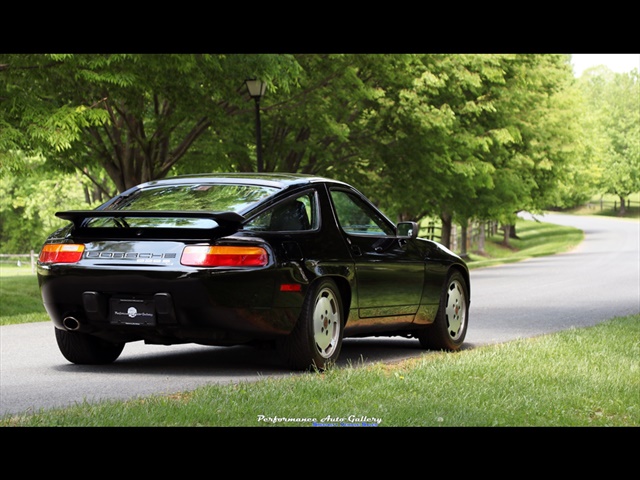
(598, 280)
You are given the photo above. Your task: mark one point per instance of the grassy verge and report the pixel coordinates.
(579, 377)
(20, 295)
(535, 239)
(609, 206)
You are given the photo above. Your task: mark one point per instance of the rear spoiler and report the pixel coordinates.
(228, 221)
(221, 218)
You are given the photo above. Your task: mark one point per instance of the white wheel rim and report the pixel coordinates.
(326, 323)
(456, 309)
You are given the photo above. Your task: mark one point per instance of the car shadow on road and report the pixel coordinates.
(243, 361)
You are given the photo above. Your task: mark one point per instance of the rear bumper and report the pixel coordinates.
(183, 307)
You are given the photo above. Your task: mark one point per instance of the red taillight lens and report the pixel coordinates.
(224, 256)
(61, 253)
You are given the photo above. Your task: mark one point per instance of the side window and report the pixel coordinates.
(297, 214)
(356, 217)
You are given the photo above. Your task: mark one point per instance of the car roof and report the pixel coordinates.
(273, 179)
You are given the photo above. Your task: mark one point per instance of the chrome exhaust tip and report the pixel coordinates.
(71, 323)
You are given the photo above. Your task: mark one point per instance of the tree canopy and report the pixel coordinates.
(132, 116)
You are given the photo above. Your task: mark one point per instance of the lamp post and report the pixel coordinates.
(256, 90)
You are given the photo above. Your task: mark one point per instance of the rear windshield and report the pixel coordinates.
(203, 198)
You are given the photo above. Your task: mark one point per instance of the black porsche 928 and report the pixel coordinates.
(293, 261)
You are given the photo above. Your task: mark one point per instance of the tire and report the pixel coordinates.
(449, 328)
(316, 340)
(85, 349)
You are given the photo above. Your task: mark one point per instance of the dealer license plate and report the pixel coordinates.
(132, 311)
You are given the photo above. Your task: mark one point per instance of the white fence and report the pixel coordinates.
(20, 259)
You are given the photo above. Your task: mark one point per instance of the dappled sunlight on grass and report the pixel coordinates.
(535, 239)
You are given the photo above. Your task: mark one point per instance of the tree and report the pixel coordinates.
(133, 116)
(327, 123)
(521, 135)
(480, 136)
(28, 203)
(620, 123)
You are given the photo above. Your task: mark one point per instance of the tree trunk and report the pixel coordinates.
(623, 207)
(445, 236)
(463, 240)
(481, 236)
(507, 235)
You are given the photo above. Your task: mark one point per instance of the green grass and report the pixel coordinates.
(20, 296)
(579, 377)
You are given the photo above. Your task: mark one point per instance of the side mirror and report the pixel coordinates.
(407, 230)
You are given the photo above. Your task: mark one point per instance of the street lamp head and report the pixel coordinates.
(256, 88)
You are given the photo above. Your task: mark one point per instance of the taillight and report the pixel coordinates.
(61, 253)
(224, 256)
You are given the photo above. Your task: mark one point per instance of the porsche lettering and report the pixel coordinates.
(130, 255)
